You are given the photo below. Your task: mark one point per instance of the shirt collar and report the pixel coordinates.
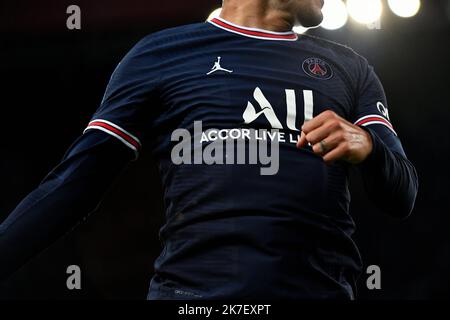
(253, 32)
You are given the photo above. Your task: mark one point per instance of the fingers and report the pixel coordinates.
(334, 138)
(329, 135)
(302, 141)
(337, 153)
(318, 128)
(322, 132)
(327, 144)
(318, 121)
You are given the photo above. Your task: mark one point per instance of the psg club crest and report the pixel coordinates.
(317, 68)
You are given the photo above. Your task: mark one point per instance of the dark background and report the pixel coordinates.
(52, 80)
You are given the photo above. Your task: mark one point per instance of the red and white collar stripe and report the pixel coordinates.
(114, 130)
(374, 119)
(253, 32)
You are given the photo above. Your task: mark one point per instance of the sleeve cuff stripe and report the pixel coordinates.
(116, 131)
(373, 117)
(375, 120)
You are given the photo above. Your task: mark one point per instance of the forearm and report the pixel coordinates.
(389, 177)
(67, 195)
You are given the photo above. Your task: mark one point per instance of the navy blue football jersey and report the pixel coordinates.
(230, 231)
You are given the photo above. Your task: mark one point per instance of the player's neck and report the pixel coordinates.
(246, 14)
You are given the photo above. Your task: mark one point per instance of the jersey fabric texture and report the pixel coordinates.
(231, 232)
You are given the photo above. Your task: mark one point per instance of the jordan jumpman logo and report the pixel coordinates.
(217, 67)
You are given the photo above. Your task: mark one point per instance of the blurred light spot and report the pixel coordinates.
(334, 14)
(214, 14)
(404, 8)
(365, 11)
(299, 29)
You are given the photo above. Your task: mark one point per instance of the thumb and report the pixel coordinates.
(302, 141)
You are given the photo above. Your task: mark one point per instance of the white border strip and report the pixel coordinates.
(115, 135)
(377, 122)
(373, 116)
(117, 127)
(252, 36)
(286, 33)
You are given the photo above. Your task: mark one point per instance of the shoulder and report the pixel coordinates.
(179, 34)
(343, 57)
(157, 44)
(333, 48)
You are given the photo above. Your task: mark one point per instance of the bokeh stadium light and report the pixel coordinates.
(300, 29)
(214, 14)
(365, 11)
(404, 8)
(336, 12)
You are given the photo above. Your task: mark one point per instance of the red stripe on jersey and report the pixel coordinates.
(254, 33)
(361, 122)
(120, 133)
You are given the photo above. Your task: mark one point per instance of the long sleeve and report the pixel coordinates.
(390, 179)
(67, 195)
